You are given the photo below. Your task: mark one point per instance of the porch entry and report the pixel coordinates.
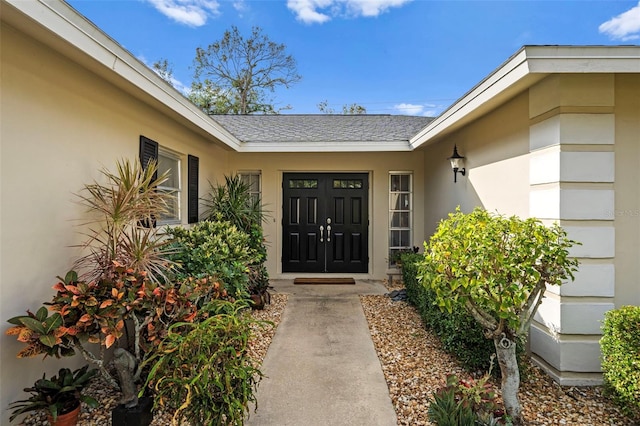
(325, 222)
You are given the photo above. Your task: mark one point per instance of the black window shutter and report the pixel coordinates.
(148, 151)
(192, 188)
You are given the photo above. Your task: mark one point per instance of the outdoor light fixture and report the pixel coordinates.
(457, 164)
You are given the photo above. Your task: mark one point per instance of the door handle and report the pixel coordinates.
(321, 233)
(329, 233)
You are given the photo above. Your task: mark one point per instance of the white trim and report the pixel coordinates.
(529, 65)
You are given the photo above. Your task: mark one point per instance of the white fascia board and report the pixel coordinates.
(63, 21)
(584, 59)
(528, 65)
(328, 146)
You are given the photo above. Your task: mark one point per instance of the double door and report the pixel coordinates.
(325, 222)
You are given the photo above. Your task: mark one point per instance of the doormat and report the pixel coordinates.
(324, 281)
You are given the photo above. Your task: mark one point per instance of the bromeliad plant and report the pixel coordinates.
(498, 269)
(58, 395)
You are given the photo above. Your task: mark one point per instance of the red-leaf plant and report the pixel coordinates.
(100, 311)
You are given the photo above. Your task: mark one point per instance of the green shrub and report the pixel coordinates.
(458, 332)
(214, 248)
(620, 345)
(235, 202)
(203, 370)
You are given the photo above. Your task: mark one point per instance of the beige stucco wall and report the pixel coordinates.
(496, 149)
(60, 125)
(627, 201)
(378, 165)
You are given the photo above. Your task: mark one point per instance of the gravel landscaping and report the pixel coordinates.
(414, 366)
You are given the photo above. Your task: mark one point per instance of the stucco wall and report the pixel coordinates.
(627, 201)
(378, 165)
(496, 150)
(60, 125)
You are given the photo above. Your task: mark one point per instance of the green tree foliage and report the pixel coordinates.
(234, 75)
(164, 69)
(353, 109)
(498, 269)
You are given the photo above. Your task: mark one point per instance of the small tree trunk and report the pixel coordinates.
(506, 352)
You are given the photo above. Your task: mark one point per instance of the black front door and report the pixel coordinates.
(325, 222)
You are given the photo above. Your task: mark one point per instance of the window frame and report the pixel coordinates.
(393, 249)
(251, 174)
(174, 191)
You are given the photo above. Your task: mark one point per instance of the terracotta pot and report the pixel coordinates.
(68, 419)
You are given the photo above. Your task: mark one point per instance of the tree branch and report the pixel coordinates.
(99, 363)
(485, 320)
(531, 306)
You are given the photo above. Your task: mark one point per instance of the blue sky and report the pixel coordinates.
(391, 56)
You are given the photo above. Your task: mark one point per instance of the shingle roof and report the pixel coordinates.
(322, 127)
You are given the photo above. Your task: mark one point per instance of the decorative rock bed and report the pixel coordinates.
(414, 366)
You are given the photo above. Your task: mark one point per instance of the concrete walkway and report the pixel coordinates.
(321, 368)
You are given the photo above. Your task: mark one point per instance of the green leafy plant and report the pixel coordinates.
(466, 401)
(203, 370)
(58, 395)
(620, 345)
(214, 248)
(497, 268)
(234, 202)
(41, 333)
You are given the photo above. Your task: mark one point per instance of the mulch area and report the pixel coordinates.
(415, 365)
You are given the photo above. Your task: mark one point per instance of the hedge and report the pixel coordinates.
(620, 345)
(459, 333)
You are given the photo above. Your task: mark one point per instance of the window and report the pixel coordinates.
(400, 213)
(172, 162)
(169, 162)
(253, 180)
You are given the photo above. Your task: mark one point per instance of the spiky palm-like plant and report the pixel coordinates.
(124, 210)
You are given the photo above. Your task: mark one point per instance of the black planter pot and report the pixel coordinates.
(140, 415)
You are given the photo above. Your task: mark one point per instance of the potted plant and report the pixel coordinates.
(60, 396)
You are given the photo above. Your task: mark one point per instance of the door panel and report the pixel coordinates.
(329, 211)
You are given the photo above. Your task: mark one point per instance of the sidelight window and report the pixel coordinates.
(253, 180)
(400, 213)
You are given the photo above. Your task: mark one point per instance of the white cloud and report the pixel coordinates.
(193, 13)
(409, 109)
(320, 11)
(240, 6)
(625, 26)
(426, 110)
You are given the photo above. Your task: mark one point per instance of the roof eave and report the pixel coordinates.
(81, 41)
(526, 67)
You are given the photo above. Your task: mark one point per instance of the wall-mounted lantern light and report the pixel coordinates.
(457, 164)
